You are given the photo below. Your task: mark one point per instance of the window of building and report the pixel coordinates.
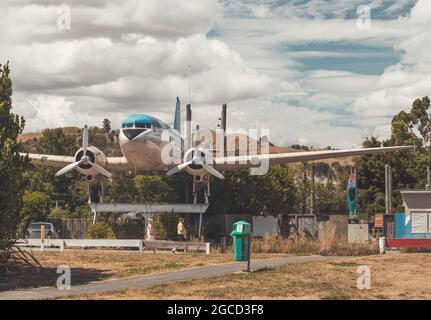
(420, 222)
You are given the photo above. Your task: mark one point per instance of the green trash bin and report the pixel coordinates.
(241, 240)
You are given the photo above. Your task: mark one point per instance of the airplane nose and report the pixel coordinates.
(132, 133)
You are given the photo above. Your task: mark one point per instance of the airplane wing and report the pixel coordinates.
(238, 162)
(112, 163)
(49, 160)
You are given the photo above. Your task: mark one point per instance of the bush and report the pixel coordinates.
(304, 246)
(58, 213)
(100, 230)
(83, 211)
(36, 208)
(165, 225)
(129, 228)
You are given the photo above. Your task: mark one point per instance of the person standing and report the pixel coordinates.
(181, 230)
(151, 233)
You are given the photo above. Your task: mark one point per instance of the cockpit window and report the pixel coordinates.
(143, 125)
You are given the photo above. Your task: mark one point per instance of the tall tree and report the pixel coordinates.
(12, 167)
(63, 188)
(409, 168)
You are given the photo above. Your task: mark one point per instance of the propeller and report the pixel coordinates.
(197, 160)
(85, 159)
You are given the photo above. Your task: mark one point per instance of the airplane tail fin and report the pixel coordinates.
(177, 116)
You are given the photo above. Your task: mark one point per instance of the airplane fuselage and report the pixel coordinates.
(141, 142)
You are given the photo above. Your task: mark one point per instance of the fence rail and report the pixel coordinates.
(117, 243)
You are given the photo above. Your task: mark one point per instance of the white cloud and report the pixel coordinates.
(402, 83)
(123, 57)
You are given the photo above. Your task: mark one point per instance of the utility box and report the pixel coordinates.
(241, 240)
(358, 233)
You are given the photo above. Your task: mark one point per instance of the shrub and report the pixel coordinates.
(36, 207)
(58, 213)
(165, 225)
(129, 228)
(100, 230)
(305, 246)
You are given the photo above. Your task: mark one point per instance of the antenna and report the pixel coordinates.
(189, 67)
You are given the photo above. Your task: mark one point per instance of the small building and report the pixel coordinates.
(415, 222)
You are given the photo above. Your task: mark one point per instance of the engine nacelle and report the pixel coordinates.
(95, 155)
(195, 169)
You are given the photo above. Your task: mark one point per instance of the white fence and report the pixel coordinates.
(118, 243)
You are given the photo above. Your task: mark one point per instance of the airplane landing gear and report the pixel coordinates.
(201, 185)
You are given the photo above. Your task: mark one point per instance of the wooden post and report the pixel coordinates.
(42, 237)
(223, 244)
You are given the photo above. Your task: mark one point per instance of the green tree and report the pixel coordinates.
(152, 189)
(409, 168)
(67, 189)
(12, 167)
(36, 208)
(269, 194)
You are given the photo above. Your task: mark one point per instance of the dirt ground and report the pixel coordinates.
(393, 276)
(98, 265)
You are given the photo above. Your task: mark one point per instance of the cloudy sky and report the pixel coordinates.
(303, 69)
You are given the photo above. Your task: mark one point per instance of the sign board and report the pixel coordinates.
(378, 220)
(239, 227)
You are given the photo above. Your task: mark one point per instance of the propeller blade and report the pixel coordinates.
(100, 169)
(85, 140)
(213, 171)
(67, 168)
(179, 168)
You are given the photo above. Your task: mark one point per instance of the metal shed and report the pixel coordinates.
(415, 222)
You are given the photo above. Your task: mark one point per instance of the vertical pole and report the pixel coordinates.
(304, 191)
(223, 126)
(200, 225)
(248, 252)
(188, 126)
(223, 244)
(388, 189)
(95, 213)
(313, 190)
(188, 145)
(42, 237)
(428, 186)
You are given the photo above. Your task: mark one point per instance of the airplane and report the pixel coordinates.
(141, 143)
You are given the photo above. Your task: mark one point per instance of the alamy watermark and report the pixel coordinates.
(364, 279)
(64, 19)
(239, 146)
(65, 278)
(363, 22)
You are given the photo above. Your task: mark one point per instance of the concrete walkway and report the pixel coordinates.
(155, 279)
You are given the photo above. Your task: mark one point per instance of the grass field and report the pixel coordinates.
(99, 265)
(393, 276)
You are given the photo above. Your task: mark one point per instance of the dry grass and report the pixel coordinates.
(303, 246)
(393, 276)
(98, 265)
